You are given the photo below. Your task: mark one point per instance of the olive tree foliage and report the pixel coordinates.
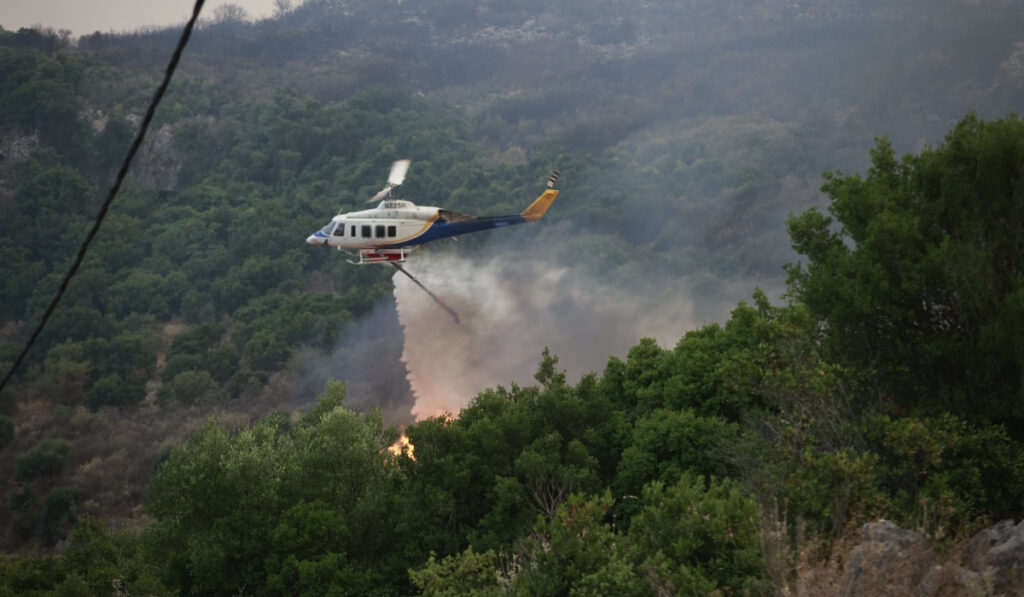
(917, 272)
(96, 561)
(691, 538)
(45, 459)
(6, 431)
(277, 507)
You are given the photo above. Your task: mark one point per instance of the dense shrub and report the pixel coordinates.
(45, 459)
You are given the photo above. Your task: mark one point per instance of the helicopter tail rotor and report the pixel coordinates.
(540, 206)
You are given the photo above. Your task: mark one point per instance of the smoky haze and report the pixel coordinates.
(686, 132)
(367, 357)
(510, 311)
(703, 125)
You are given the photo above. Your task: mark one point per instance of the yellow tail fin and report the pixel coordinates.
(540, 206)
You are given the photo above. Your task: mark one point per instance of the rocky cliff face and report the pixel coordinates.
(892, 561)
(159, 160)
(13, 149)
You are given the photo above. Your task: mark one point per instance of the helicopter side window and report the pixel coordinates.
(340, 230)
(392, 231)
(380, 231)
(352, 232)
(366, 231)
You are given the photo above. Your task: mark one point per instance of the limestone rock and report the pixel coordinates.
(159, 160)
(891, 561)
(888, 561)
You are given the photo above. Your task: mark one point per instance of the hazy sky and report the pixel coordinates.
(86, 16)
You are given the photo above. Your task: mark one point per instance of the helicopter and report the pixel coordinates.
(393, 230)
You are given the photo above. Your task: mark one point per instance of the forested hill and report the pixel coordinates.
(588, 74)
(175, 387)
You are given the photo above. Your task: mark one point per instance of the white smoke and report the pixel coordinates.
(510, 310)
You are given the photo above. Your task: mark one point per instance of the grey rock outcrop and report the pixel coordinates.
(158, 161)
(14, 148)
(891, 561)
(888, 561)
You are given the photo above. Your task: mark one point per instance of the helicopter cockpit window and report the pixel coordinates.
(328, 228)
(340, 230)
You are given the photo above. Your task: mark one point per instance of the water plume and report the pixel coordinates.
(510, 311)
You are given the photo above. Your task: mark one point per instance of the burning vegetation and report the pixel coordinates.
(402, 446)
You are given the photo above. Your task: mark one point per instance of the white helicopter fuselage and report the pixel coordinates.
(395, 228)
(393, 223)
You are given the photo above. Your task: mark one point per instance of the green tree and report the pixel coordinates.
(191, 387)
(945, 475)
(30, 575)
(282, 508)
(45, 459)
(75, 323)
(550, 473)
(96, 562)
(266, 351)
(255, 277)
(918, 273)
(20, 273)
(6, 431)
(214, 500)
(111, 563)
(576, 552)
(468, 573)
(60, 513)
(138, 291)
(42, 94)
(113, 390)
(667, 444)
(695, 537)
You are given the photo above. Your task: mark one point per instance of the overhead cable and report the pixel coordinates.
(171, 66)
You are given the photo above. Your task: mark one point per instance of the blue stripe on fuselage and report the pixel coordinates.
(442, 229)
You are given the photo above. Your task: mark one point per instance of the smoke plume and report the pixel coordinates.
(367, 357)
(510, 311)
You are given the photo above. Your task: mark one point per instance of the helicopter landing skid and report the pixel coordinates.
(368, 256)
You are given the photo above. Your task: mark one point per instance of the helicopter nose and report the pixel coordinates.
(313, 239)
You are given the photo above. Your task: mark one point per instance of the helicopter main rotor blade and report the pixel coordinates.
(381, 194)
(398, 170)
(395, 178)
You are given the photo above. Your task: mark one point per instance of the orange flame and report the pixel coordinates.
(402, 446)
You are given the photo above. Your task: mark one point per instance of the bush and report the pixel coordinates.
(945, 474)
(191, 387)
(6, 431)
(112, 390)
(696, 534)
(59, 513)
(266, 351)
(45, 459)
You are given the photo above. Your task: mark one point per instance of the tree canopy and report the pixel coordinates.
(888, 385)
(918, 274)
